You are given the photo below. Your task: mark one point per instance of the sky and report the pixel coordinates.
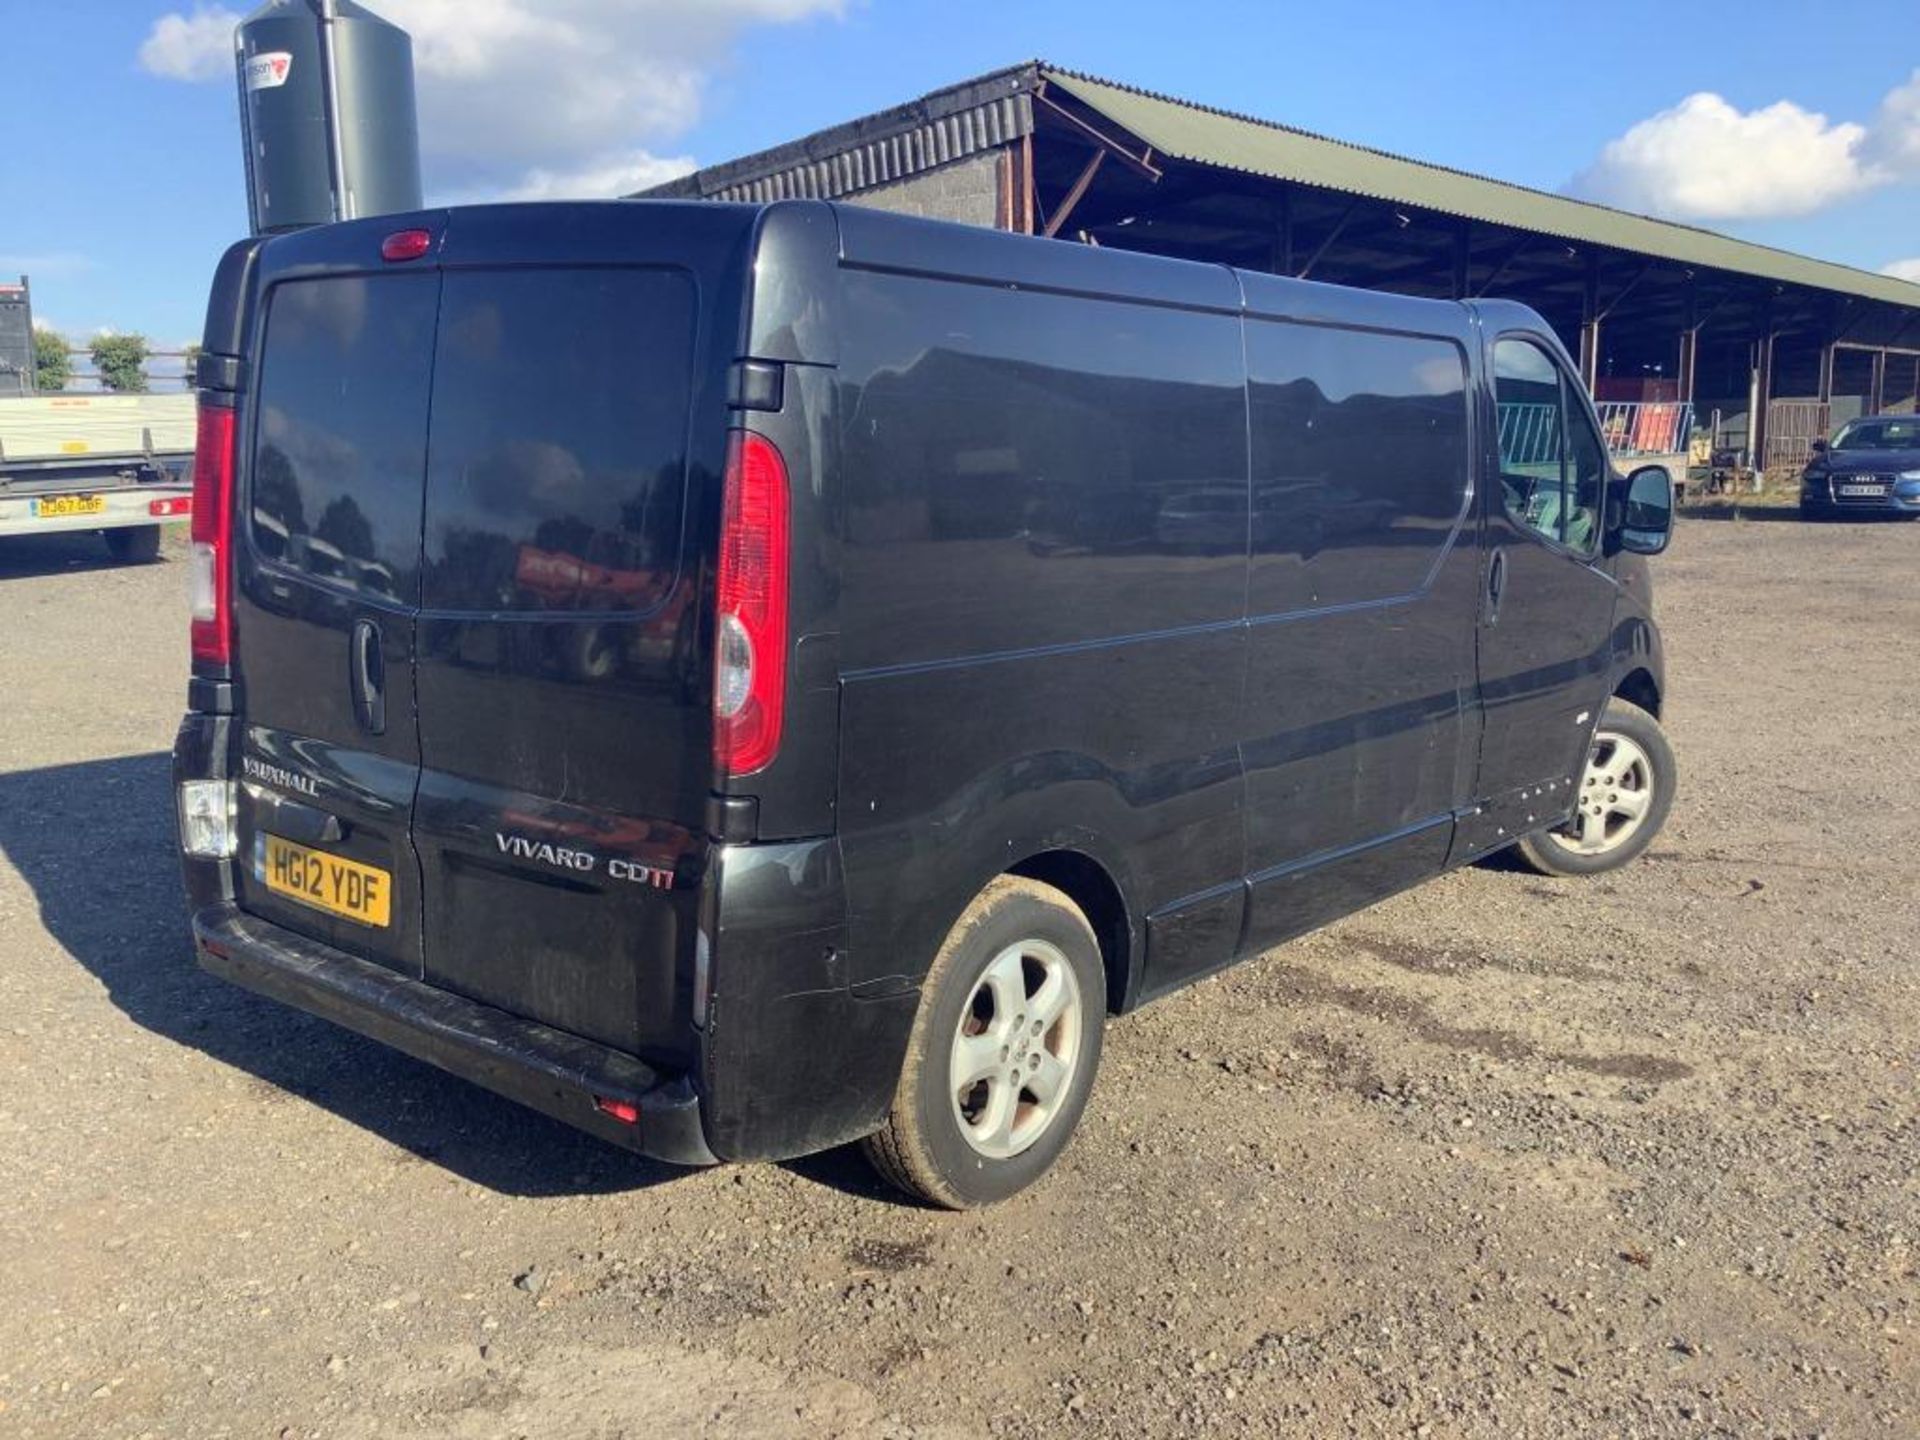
(121, 181)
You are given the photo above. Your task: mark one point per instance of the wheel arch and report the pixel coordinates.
(1638, 687)
(1089, 884)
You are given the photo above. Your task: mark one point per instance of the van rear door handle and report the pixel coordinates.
(289, 819)
(1496, 584)
(367, 674)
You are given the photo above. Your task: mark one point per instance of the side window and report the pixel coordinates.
(1360, 462)
(1552, 466)
(1586, 476)
(1020, 464)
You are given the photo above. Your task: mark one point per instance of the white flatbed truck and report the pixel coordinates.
(118, 464)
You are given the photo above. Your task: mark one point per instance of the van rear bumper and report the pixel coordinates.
(545, 1069)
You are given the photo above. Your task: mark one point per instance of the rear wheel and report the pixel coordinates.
(1624, 796)
(134, 544)
(1003, 1050)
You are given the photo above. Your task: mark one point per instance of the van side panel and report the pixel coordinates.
(1362, 599)
(1044, 574)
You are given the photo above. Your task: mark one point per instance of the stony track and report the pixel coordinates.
(1503, 1157)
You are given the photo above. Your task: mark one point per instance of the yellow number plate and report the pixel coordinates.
(326, 882)
(56, 507)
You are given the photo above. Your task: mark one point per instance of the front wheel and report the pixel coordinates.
(1624, 796)
(1003, 1050)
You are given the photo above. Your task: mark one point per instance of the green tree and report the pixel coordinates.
(52, 366)
(122, 362)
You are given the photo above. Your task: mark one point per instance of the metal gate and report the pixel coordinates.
(1530, 434)
(1646, 427)
(1792, 427)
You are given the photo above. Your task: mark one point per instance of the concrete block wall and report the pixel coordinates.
(967, 190)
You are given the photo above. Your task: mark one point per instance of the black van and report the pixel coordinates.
(743, 679)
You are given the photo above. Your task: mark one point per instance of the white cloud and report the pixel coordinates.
(544, 97)
(1706, 159)
(198, 46)
(620, 174)
(1893, 140)
(1904, 270)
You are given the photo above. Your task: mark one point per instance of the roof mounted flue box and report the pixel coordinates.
(326, 114)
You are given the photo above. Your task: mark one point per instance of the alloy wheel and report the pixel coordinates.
(1016, 1049)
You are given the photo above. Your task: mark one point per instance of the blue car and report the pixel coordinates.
(1872, 467)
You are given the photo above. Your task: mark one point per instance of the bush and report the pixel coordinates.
(52, 365)
(122, 362)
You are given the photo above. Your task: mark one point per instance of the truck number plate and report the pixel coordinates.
(58, 507)
(326, 882)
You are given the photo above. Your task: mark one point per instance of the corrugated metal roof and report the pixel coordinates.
(907, 140)
(892, 157)
(1199, 135)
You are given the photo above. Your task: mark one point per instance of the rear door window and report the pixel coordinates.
(557, 471)
(340, 444)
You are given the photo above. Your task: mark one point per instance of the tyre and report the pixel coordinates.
(134, 544)
(1625, 794)
(1003, 1050)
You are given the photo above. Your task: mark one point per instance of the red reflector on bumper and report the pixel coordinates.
(173, 505)
(625, 1111)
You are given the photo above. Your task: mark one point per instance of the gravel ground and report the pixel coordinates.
(1503, 1157)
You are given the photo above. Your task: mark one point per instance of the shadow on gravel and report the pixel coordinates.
(23, 556)
(1734, 510)
(95, 841)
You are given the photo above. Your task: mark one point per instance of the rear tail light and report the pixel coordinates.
(750, 670)
(174, 505)
(211, 553)
(207, 828)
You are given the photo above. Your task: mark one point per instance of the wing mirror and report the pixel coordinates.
(1646, 514)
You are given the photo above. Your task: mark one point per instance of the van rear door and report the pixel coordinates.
(327, 570)
(577, 437)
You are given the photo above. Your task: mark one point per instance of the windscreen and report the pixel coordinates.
(1879, 435)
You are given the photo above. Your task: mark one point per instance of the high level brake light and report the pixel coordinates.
(750, 669)
(211, 554)
(405, 245)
